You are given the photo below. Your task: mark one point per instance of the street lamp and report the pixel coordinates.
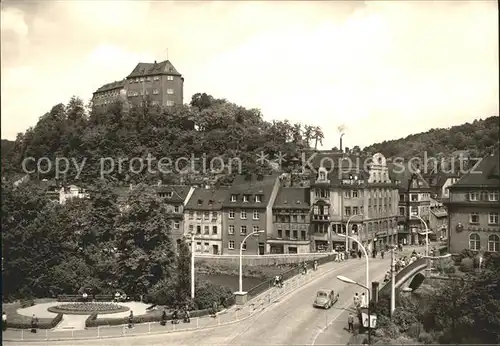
(192, 264)
(347, 231)
(241, 257)
(350, 281)
(366, 256)
(426, 234)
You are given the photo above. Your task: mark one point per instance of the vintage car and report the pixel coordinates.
(325, 299)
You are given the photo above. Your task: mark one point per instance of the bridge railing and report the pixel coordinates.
(412, 268)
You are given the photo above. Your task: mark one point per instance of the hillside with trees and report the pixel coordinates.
(478, 138)
(207, 127)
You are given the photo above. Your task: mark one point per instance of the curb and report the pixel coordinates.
(299, 279)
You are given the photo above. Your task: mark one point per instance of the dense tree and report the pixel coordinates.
(183, 273)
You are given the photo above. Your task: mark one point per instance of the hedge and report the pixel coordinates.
(93, 321)
(42, 324)
(70, 298)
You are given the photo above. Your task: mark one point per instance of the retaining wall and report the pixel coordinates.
(258, 260)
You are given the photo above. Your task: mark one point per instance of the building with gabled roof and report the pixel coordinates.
(474, 207)
(157, 83)
(291, 222)
(203, 219)
(248, 208)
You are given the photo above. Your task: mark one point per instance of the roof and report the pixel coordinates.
(292, 198)
(441, 212)
(111, 86)
(328, 159)
(207, 199)
(251, 185)
(179, 192)
(149, 69)
(486, 174)
(402, 173)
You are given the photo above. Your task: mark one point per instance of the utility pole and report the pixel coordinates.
(393, 282)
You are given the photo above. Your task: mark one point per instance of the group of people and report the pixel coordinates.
(175, 316)
(340, 256)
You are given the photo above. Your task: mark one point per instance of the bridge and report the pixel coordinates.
(404, 275)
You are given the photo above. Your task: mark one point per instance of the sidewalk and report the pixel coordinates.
(232, 315)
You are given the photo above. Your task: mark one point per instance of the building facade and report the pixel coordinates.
(291, 226)
(473, 209)
(350, 197)
(414, 202)
(203, 218)
(246, 209)
(149, 83)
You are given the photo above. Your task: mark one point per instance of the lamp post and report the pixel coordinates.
(350, 281)
(241, 257)
(366, 256)
(347, 231)
(192, 265)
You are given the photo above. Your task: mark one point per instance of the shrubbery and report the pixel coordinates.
(42, 324)
(466, 265)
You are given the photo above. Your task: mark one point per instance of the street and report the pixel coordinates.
(290, 320)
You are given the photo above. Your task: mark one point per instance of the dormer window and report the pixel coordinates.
(169, 194)
(210, 202)
(233, 198)
(258, 199)
(245, 198)
(322, 176)
(200, 202)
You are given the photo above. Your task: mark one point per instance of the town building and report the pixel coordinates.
(345, 195)
(71, 191)
(438, 221)
(148, 83)
(248, 208)
(291, 226)
(439, 184)
(175, 198)
(203, 219)
(414, 203)
(473, 209)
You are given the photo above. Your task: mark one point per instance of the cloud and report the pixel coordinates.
(384, 69)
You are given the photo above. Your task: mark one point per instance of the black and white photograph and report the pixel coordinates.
(250, 172)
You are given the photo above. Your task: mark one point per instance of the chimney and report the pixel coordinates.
(155, 62)
(340, 143)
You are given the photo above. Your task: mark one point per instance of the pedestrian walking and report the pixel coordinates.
(4, 321)
(382, 254)
(359, 254)
(163, 320)
(357, 301)
(364, 302)
(350, 323)
(131, 319)
(214, 309)
(34, 323)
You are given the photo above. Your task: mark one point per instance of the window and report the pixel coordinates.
(245, 198)
(214, 230)
(347, 211)
(493, 196)
(493, 243)
(256, 215)
(303, 235)
(493, 218)
(474, 218)
(176, 224)
(244, 245)
(473, 196)
(295, 234)
(255, 228)
(156, 78)
(170, 103)
(347, 194)
(206, 215)
(170, 77)
(155, 102)
(280, 233)
(207, 230)
(302, 218)
(156, 91)
(474, 242)
(414, 210)
(233, 198)
(191, 215)
(176, 209)
(287, 233)
(243, 230)
(191, 228)
(355, 211)
(214, 215)
(231, 245)
(316, 210)
(206, 247)
(402, 211)
(198, 229)
(169, 194)
(258, 199)
(354, 193)
(198, 247)
(243, 215)
(170, 91)
(322, 176)
(231, 229)
(414, 197)
(231, 214)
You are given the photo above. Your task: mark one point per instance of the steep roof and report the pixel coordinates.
(149, 69)
(207, 199)
(179, 192)
(402, 173)
(292, 198)
(486, 174)
(251, 185)
(439, 212)
(111, 86)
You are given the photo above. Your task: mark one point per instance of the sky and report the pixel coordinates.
(382, 70)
